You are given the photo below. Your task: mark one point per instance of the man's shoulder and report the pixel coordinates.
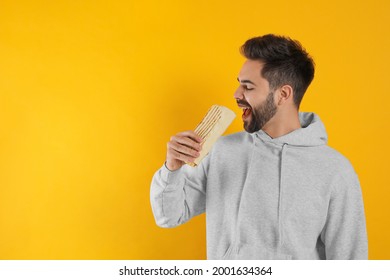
(232, 146)
(237, 138)
(336, 156)
(339, 163)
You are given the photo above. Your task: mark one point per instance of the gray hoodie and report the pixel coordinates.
(291, 197)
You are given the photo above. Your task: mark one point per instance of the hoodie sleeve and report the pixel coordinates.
(344, 234)
(177, 196)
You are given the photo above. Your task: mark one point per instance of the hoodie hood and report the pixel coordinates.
(312, 133)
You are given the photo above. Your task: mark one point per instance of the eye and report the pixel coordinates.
(246, 87)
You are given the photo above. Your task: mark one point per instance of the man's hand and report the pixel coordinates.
(183, 147)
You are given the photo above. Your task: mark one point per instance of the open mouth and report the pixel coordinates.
(246, 112)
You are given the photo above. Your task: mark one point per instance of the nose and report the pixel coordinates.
(238, 94)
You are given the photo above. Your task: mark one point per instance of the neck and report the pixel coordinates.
(284, 122)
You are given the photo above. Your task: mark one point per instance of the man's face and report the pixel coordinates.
(254, 96)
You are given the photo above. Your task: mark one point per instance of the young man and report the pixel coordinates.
(276, 191)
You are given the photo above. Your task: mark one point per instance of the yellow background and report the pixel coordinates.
(91, 91)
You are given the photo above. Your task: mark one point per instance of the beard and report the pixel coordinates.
(261, 114)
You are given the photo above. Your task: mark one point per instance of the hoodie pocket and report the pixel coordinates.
(253, 252)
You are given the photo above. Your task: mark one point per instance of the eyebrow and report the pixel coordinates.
(246, 82)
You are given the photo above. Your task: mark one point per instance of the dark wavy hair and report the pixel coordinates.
(285, 62)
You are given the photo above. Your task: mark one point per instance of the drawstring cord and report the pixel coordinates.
(284, 148)
(237, 232)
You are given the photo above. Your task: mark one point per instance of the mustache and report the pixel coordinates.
(243, 103)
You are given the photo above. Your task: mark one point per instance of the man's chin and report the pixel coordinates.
(250, 127)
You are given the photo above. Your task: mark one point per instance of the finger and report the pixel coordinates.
(183, 149)
(186, 141)
(191, 134)
(181, 157)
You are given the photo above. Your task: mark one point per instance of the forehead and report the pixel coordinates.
(251, 70)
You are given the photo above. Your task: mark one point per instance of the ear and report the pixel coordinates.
(285, 94)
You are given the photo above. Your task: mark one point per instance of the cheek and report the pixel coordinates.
(258, 98)
(252, 100)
